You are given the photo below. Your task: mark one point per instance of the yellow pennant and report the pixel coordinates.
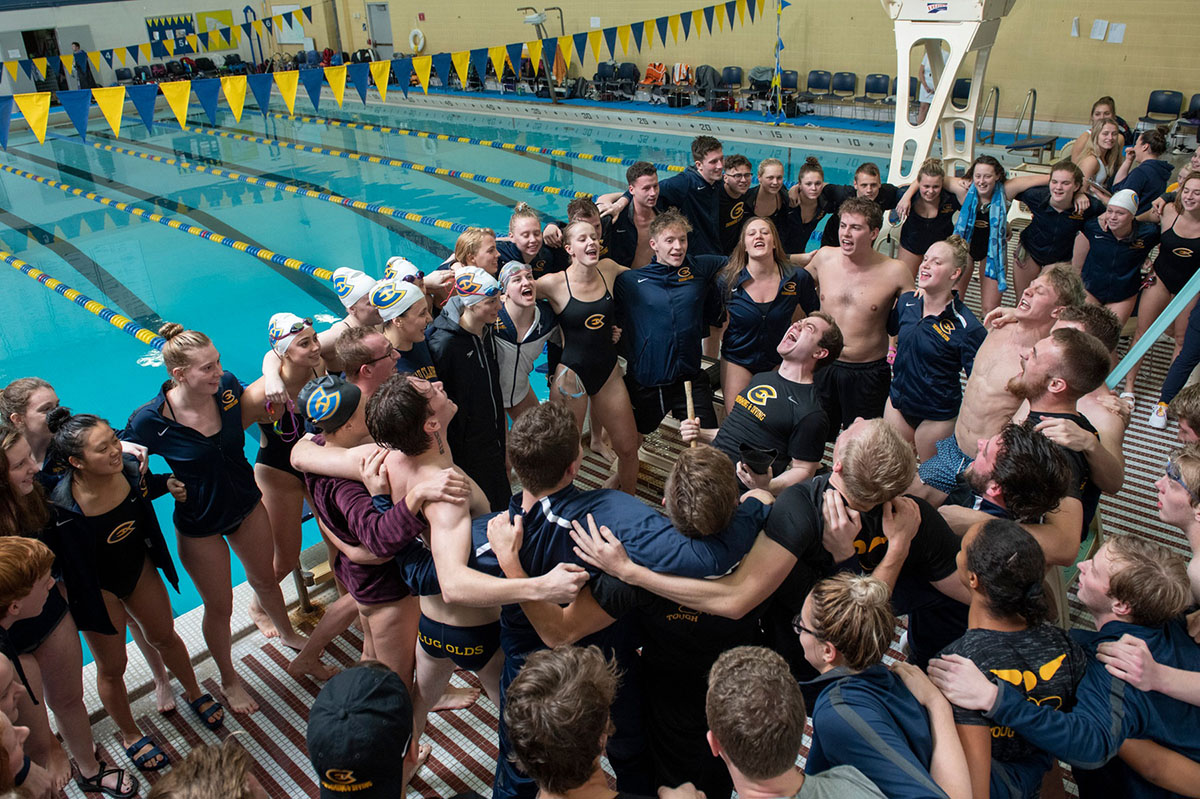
(112, 102)
(193, 42)
(623, 34)
(535, 54)
(170, 45)
(68, 60)
(594, 43)
(258, 26)
(287, 83)
(120, 53)
(698, 21)
(381, 71)
(337, 82)
(144, 50)
(461, 61)
(35, 107)
(499, 56)
(234, 89)
(648, 26)
(741, 9)
(421, 66)
(177, 93)
(11, 66)
(235, 35)
(94, 57)
(760, 5)
(214, 39)
(674, 22)
(277, 21)
(296, 17)
(40, 65)
(720, 15)
(565, 43)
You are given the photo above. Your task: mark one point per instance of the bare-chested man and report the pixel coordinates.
(987, 404)
(858, 287)
(628, 237)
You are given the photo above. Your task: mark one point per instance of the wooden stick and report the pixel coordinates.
(691, 405)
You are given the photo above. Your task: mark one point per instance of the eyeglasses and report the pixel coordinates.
(798, 627)
(738, 175)
(1173, 473)
(294, 329)
(391, 352)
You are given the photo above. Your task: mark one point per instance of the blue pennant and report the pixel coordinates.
(206, 92)
(307, 11)
(580, 40)
(313, 79)
(731, 11)
(108, 56)
(708, 16)
(442, 63)
(661, 23)
(610, 38)
(261, 86)
(403, 69)
(514, 57)
(686, 19)
(359, 75)
(750, 4)
(479, 61)
(637, 34)
(6, 107)
(144, 95)
(77, 103)
(549, 50)
(27, 66)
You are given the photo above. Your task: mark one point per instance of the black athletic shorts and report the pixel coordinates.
(470, 648)
(652, 404)
(850, 390)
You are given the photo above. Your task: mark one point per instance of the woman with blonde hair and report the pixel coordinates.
(930, 216)
(1100, 156)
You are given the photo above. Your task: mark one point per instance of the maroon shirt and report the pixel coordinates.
(346, 509)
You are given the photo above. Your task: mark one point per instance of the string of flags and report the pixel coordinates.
(35, 106)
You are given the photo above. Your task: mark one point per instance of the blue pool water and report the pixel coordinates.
(151, 273)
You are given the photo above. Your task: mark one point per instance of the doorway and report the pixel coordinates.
(380, 22)
(43, 43)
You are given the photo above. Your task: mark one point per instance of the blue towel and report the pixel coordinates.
(994, 267)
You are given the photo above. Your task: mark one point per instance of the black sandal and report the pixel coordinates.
(214, 716)
(95, 784)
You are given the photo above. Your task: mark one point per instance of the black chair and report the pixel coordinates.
(176, 70)
(141, 74)
(1162, 107)
(235, 64)
(844, 85)
(124, 75)
(961, 94)
(627, 79)
(206, 67)
(605, 81)
(875, 89)
(820, 83)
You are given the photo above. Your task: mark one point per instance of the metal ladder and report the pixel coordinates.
(538, 21)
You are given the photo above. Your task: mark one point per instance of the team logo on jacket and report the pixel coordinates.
(121, 531)
(789, 289)
(594, 322)
(759, 395)
(228, 400)
(685, 274)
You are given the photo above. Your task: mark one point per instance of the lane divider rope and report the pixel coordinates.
(290, 188)
(201, 232)
(334, 122)
(122, 323)
(318, 149)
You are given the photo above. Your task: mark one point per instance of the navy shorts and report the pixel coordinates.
(470, 648)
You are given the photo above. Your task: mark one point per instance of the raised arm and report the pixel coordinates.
(1107, 468)
(1014, 186)
(274, 388)
(329, 460)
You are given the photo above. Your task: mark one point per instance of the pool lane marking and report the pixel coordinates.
(317, 149)
(334, 122)
(261, 253)
(290, 188)
(101, 310)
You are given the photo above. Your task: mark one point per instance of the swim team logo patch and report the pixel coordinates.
(228, 400)
(1183, 252)
(759, 395)
(343, 779)
(342, 286)
(467, 284)
(594, 322)
(274, 332)
(685, 274)
(121, 532)
(322, 404)
(387, 295)
(789, 289)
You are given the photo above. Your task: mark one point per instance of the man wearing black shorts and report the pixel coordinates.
(776, 432)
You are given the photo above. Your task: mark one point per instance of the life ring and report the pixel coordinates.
(416, 40)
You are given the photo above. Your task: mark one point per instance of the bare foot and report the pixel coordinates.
(58, 767)
(164, 697)
(261, 620)
(455, 698)
(311, 667)
(423, 752)
(292, 640)
(602, 450)
(237, 700)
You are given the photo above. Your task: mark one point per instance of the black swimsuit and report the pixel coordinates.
(588, 348)
(120, 546)
(919, 233)
(1178, 259)
(982, 234)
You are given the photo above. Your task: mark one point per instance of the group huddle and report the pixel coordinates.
(688, 645)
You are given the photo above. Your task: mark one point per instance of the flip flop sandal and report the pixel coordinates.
(209, 717)
(141, 760)
(95, 784)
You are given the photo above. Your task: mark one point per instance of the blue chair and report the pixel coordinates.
(789, 81)
(1163, 107)
(312, 60)
(875, 89)
(124, 75)
(336, 60)
(819, 85)
(914, 87)
(731, 78)
(844, 85)
(961, 94)
(627, 79)
(605, 80)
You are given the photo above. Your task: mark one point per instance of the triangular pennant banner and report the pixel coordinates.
(247, 28)
(461, 61)
(750, 9)
(421, 66)
(594, 43)
(661, 23)
(687, 19)
(403, 69)
(719, 13)
(112, 102)
(564, 46)
(761, 3)
(11, 68)
(6, 107)
(40, 64)
(193, 42)
(337, 82)
(120, 53)
(27, 67)
(54, 62)
(648, 27)
(268, 24)
(312, 80)
(203, 39)
(94, 57)
(550, 50)
(730, 11)
(144, 51)
(288, 82)
(741, 11)
(307, 12)
(358, 74)
(176, 92)
(257, 27)
(514, 56)
(207, 91)
(535, 54)
(381, 73)
(708, 16)
(288, 18)
(441, 65)
(169, 44)
(610, 39)
(260, 86)
(234, 89)
(296, 18)
(623, 33)
(68, 61)
(479, 60)
(144, 97)
(77, 103)
(580, 42)
(636, 29)
(497, 56)
(35, 107)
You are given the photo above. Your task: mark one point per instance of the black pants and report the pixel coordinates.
(850, 390)
(652, 403)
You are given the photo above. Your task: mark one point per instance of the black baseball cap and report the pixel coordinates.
(359, 730)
